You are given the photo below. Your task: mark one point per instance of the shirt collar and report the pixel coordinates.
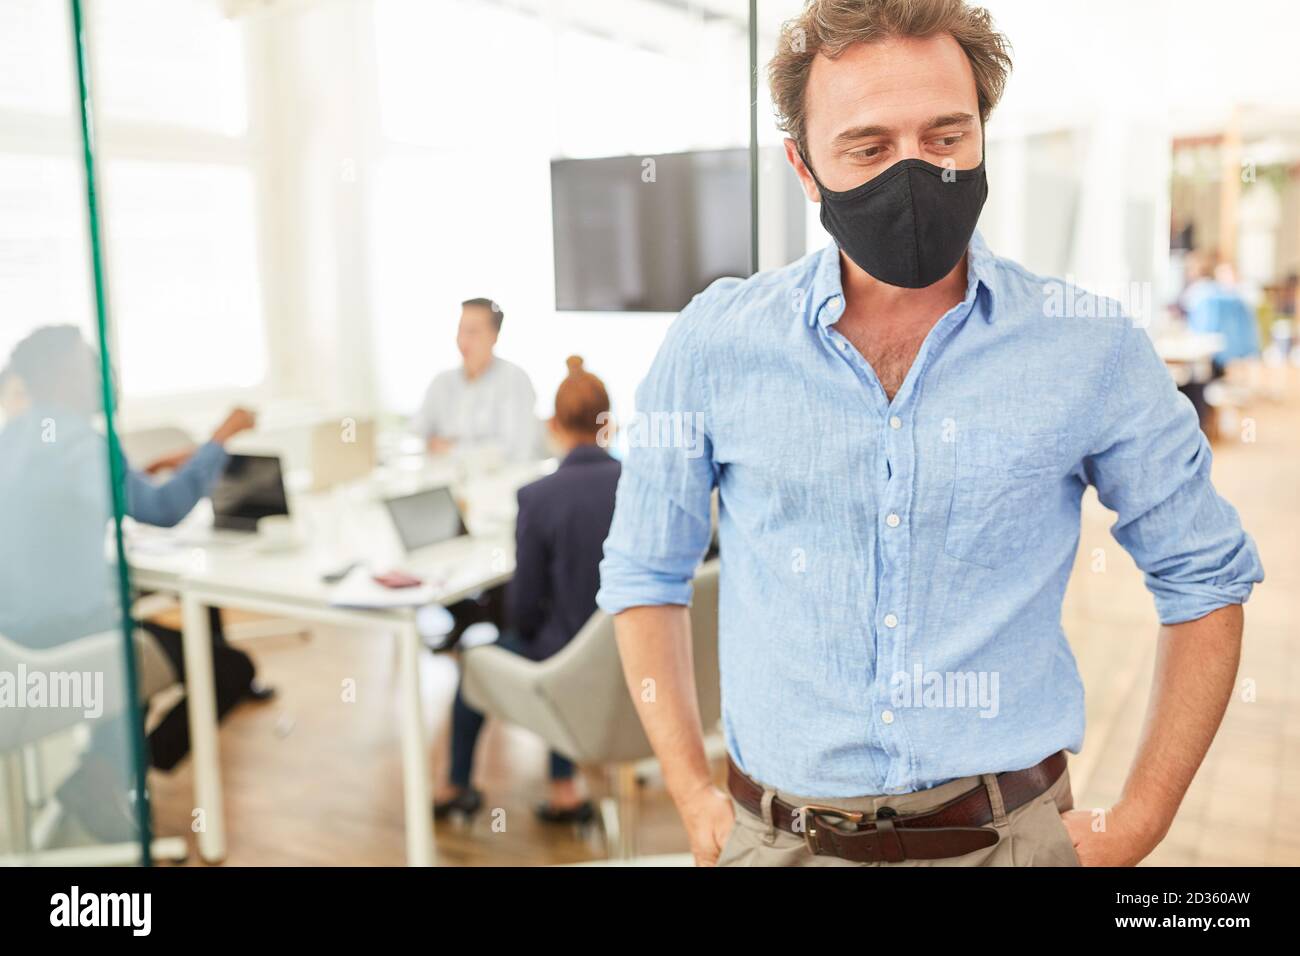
(583, 455)
(827, 303)
(488, 371)
(982, 268)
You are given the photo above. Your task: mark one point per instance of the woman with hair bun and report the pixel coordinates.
(559, 540)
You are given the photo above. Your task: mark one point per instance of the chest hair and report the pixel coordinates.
(889, 350)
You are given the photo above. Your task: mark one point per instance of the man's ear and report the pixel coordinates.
(14, 399)
(801, 170)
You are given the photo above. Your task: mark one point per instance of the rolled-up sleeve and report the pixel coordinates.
(167, 504)
(661, 524)
(1150, 464)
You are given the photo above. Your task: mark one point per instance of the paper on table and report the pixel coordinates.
(359, 589)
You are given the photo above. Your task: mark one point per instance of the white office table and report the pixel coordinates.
(289, 584)
(1189, 354)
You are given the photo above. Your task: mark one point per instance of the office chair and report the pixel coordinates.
(578, 702)
(24, 731)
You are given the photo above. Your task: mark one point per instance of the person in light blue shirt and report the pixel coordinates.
(54, 469)
(57, 581)
(900, 429)
(1219, 309)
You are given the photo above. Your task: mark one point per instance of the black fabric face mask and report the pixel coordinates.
(909, 225)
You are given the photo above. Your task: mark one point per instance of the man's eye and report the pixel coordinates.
(869, 153)
(948, 141)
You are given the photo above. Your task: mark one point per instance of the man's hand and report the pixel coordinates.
(1130, 834)
(239, 420)
(438, 445)
(708, 817)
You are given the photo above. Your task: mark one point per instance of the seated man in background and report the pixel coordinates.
(487, 401)
(1218, 308)
(559, 534)
(56, 581)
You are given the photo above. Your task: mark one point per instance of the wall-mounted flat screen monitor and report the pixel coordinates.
(646, 233)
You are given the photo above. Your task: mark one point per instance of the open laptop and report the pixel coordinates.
(426, 518)
(251, 488)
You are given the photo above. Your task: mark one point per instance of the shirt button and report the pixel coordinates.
(893, 521)
(843, 345)
(895, 422)
(891, 620)
(833, 302)
(887, 716)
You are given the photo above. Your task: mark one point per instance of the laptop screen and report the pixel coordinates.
(252, 487)
(425, 518)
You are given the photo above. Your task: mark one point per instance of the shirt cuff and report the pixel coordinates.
(1183, 605)
(621, 589)
(1180, 601)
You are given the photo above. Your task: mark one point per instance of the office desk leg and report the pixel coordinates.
(201, 703)
(415, 753)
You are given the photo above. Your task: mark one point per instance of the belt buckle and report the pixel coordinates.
(816, 811)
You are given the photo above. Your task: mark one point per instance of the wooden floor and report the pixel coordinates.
(313, 780)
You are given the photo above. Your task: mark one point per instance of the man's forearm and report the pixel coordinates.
(1196, 668)
(655, 645)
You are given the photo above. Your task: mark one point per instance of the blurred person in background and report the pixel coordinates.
(487, 401)
(562, 523)
(1198, 280)
(1218, 308)
(57, 584)
(485, 405)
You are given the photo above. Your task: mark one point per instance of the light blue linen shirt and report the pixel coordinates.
(57, 581)
(893, 571)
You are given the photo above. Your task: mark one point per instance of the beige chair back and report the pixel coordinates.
(578, 700)
(96, 664)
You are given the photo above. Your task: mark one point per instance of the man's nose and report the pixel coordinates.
(909, 149)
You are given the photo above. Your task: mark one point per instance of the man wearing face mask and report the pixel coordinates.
(900, 432)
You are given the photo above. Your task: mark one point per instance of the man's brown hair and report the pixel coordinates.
(829, 27)
(494, 310)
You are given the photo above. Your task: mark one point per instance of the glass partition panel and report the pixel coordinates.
(71, 696)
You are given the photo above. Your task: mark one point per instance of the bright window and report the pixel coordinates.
(186, 299)
(44, 276)
(35, 60)
(475, 100)
(170, 62)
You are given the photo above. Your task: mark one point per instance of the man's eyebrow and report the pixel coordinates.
(949, 119)
(855, 133)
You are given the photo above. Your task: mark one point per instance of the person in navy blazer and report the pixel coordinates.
(560, 531)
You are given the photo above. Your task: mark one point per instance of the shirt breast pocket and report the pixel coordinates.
(1002, 483)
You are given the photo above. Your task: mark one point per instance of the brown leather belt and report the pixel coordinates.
(955, 828)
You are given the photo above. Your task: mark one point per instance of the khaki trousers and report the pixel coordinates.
(1031, 835)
